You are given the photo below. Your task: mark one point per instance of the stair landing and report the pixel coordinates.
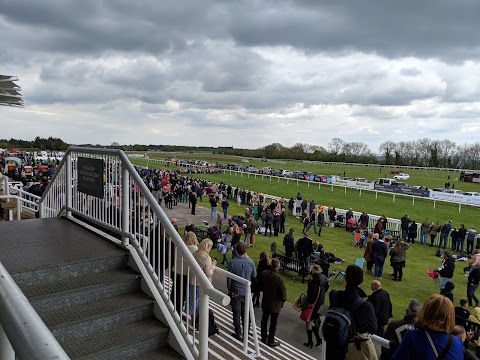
(39, 243)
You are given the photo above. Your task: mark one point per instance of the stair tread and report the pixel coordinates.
(56, 286)
(105, 340)
(165, 353)
(94, 309)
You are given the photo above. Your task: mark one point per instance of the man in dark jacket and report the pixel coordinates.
(305, 248)
(396, 329)
(363, 315)
(274, 295)
(461, 238)
(283, 217)
(446, 269)
(444, 232)
(405, 223)
(380, 299)
(472, 285)
(289, 243)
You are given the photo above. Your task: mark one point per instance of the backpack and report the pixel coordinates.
(338, 327)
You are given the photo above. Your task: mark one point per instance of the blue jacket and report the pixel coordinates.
(415, 345)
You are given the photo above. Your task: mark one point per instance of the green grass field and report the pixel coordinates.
(416, 283)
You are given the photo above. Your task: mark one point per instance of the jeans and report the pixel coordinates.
(193, 299)
(379, 261)
(471, 294)
(423, 237)
(314, 227)
(443, 282)
(320, 226)
(225, 214)
(460, 245)
(213, 212)
(306, 260)
(238, 310)
(443, 240)
(270, 335)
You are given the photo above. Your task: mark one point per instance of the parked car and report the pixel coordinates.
(453, 191)
(471, 193)
(286, 173)
(402, 176)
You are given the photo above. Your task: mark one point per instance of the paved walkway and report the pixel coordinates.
(290, 328)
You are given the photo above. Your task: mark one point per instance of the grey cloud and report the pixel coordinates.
(412, 71)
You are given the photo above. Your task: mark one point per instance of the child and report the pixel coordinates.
(447, 290)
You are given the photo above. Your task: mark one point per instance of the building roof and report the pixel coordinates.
(10, 92)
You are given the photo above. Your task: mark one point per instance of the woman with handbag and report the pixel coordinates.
(317, 287)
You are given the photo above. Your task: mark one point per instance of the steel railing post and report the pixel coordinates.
(125, 205)
(246, 317)
(19, 208)
(203, 326)
(68, 184)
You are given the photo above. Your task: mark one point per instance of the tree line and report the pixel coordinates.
(421, 152)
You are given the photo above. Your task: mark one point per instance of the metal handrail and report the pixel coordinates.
(26, 331)
(63, 183)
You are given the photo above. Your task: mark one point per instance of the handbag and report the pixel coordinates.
(300, 303)
(222, 249)
(361, 348)
(307, 312)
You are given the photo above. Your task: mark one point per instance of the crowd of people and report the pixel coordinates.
(427, 331)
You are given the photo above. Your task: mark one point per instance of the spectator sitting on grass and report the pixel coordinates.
(328, 256)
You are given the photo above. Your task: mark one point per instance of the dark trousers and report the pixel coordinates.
(471, 294)
(270, 335)
(193, 208)
(432, 239)
(380, 330)
(397, 270)
(282, 227)
(269, 227)
(179, 290)
(469, 247)
(238, 310)
(370, 265)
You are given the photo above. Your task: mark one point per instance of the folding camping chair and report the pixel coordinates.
(341, 274)
(357, 239)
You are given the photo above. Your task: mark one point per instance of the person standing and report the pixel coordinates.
(289, 243)
(461, 238)
(193, 201)
(434, 229)
(268, 221)
(225, 206)
(424, 231)
(405, 223)
(444, 232)
(312, 222)
(380, 300)
(368, 254)
(276, 223)
(317, 287)
(398, 256)
(412, 232)
(305, 249)
(283, 218)
(320, 219)
(244, 267)
(250, 230)
(380, 251)
(362, 312)
(472, 285)
(213, 206)
(274, 296)
(446, 269)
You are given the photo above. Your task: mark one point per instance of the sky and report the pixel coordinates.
(242, 73)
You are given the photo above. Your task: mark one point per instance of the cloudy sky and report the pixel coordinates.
(245, 73)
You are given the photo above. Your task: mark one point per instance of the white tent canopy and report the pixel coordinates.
(10, 92)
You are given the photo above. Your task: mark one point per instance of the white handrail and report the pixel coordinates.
(249, 312)
(132, 219)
